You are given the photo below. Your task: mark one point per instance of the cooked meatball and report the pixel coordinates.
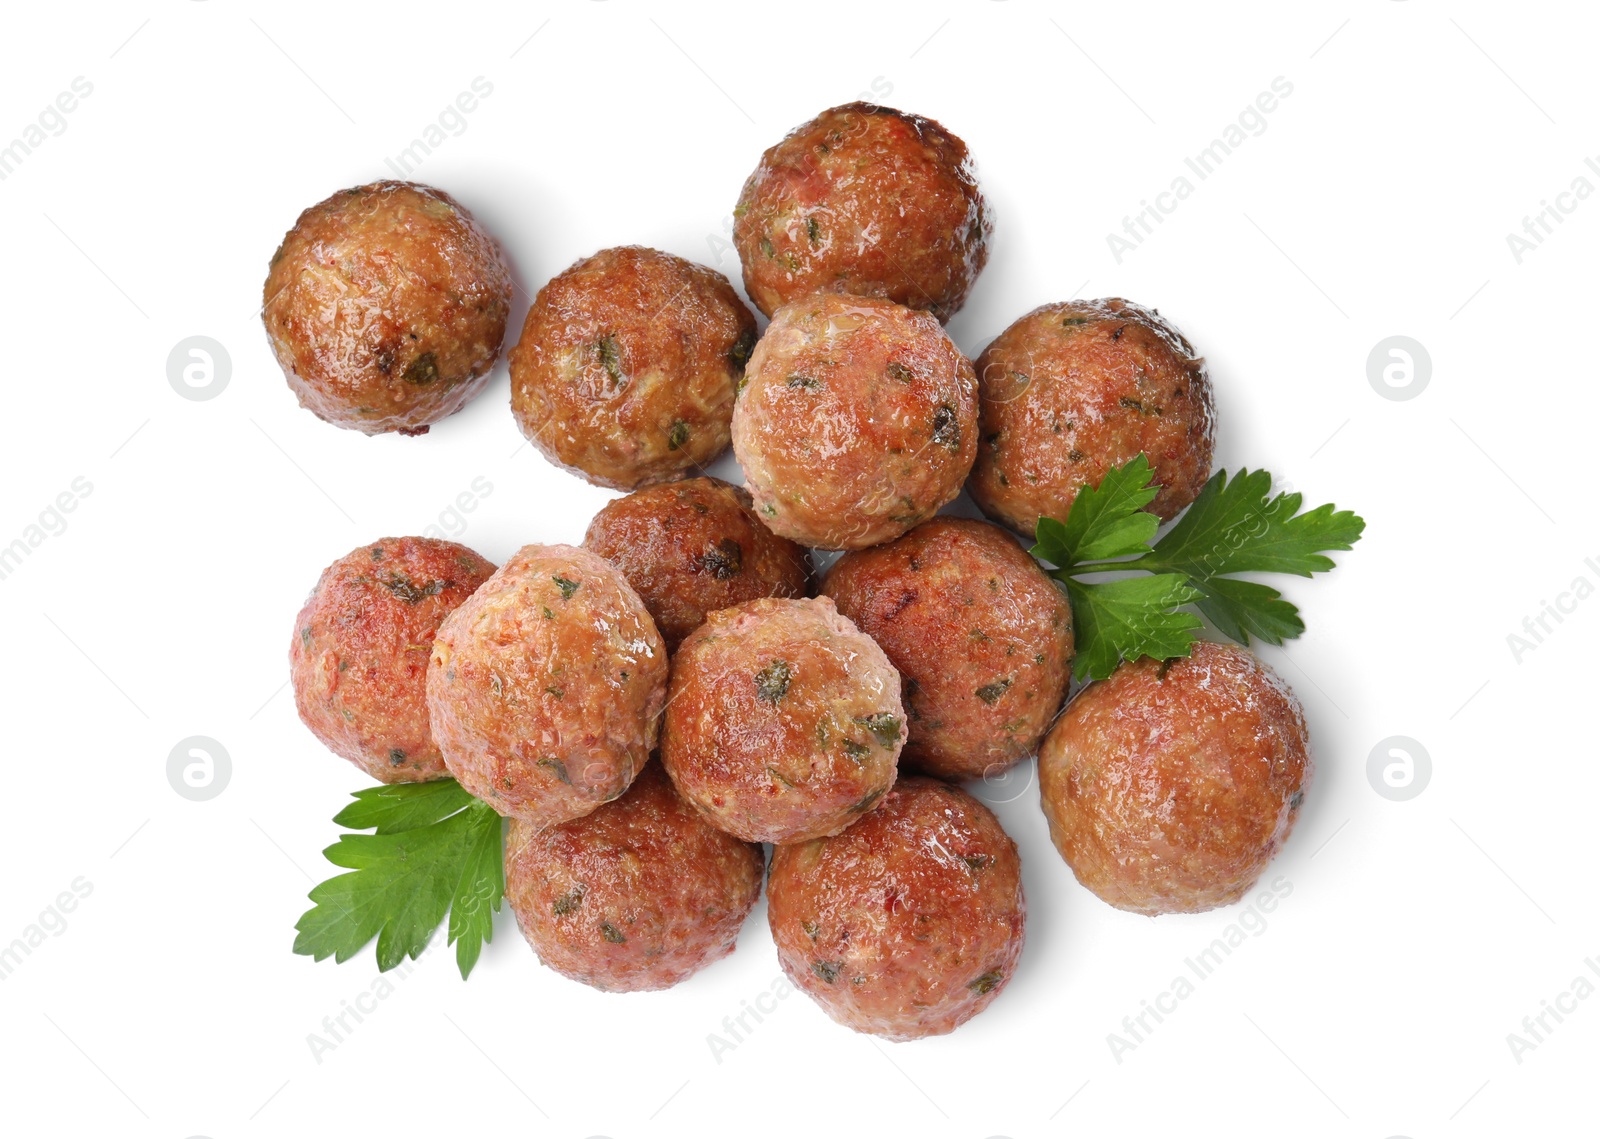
(1072, 390)
(1170, 785)
(637, 895)
(386, 306)
(981, 636)
(692, 547)
(359, 658)
(783, 720)
(864, 200)
(545, 687)
(628, 366)
(857, 421)
(909, 923)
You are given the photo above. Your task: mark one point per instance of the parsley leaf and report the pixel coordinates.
(1129, 618)
(1106, 521)
(1231, 527)
(435, 850)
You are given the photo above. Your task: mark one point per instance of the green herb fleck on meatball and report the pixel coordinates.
(614, 935)
(827, 970)
(947, 427)
(610, 353)
(987, 982)
(408, 591)
(423, 370)
(991, 692)
(772, 682)
(567, 585)
(678, 436)
(724, 560)
(885, 728)
(558, 769)
(739, 354)
(568, 902)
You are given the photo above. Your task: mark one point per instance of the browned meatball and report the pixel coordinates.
(637, 895)
(359, 658)
(783, 720)
(692, 547)
(545, 687)
(1072, 390)
(865, 200)
(981, 636)
(386, 306)
(856, 422)
(1170, 785)
(628, 366)
(909, 923)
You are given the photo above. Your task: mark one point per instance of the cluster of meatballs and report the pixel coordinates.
(651, 707)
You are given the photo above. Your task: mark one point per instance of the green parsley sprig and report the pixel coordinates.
(435, 849)
(1231, 528)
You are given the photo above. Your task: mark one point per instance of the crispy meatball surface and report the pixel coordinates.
(783, 720)
(692, 547)
(1070, 391)
(909, 923)
(545, 687)
(864, 200)
(359, 658)
(856, 422)
(1169, 786)
(386, 305)
(628, 365)
(981, 636)
(637, 895)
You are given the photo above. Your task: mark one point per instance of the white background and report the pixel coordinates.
(1377, 201)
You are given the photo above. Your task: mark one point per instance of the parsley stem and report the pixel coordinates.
(1103, 567)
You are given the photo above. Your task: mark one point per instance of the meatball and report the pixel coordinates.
(909, 923)
(545, 687)
(981, 636)
(783, 720)
(1072, 390)
(692, 547)
(386, 306)
(864, 200)
(637, 895)
(857, 421)
(628, 366)
(359, 658)
(1170, 785)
